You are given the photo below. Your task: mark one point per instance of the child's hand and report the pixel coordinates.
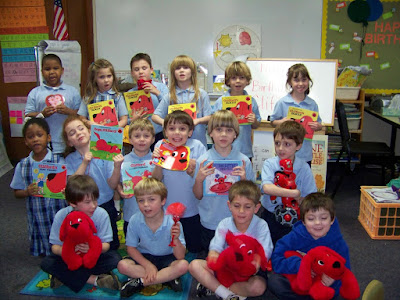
(150, 273)
(175, 231)
(122, 194)
(240, 171)
(150, 88)
(62, 109)
(32, 189)
(212, 259)
(315, 126)
(82, 248)
(156, 152)
(256, 261)
(138, 113)
(48, 111)
(118, 160)
(326, 280)
(251, 118)
(195, 122)
(296, 195)
(87, 157)
(205, 170)
(191, 167)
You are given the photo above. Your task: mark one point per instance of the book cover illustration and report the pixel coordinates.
(54, 100)
(51, 179)
(189, 108)
(220, 182)
(133, 172)
(241, 106)
(105, 142)
(319, 161)
(303, 116)
(103, 113)
(173, 158)
(139, 101)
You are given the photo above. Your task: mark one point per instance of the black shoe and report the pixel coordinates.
(55, 283)
(109, 281)
(202, 291)
(175, 284)
(131, 287)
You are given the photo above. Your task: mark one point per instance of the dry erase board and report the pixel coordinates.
(342, 39)
(269, 84)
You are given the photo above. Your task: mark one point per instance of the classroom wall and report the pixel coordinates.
(165, 29)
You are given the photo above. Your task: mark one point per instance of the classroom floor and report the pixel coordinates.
(370, 259)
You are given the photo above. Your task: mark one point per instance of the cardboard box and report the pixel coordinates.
(347, 93)
(352, 124)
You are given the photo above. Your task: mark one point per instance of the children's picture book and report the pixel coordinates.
(303, 116)
(173, 158)
(105, 142)
(137, 101)
(133, 172)
(51, 179)
(103, 113)
(220, 182)
(319, 160)
(241, 106)
(54, 100)
(189, 108)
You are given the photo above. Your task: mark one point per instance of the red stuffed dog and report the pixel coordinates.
(78, 228)
(234, 264)
(322, 260)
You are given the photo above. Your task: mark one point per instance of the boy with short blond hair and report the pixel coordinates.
(81, 193)
(288, 139)
(152, 260)
(318, 227)
(244, 203)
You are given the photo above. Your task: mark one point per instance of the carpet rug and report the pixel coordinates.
(40, 286)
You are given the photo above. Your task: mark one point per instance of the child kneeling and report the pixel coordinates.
(149, 233)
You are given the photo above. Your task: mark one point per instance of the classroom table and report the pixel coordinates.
(393, 121)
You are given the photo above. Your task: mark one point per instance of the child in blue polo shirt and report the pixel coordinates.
(223, 128)
(152, 260)
(237, 77)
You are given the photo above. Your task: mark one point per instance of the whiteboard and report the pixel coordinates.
(165, 29)
(269, 84)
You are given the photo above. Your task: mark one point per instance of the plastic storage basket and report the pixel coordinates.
(380, 220)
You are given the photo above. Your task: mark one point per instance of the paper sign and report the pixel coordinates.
(19, 72)
(22, 16)
(16, 111)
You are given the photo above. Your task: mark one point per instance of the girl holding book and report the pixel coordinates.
(80, 161)
(41, 211)
(223, 128)
(102, 86)
(185, 89)
(299, 81)
(237, 77)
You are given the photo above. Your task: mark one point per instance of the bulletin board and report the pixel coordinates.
(342, 39)
(269, 77)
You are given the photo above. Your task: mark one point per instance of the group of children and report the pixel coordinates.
(92, 183)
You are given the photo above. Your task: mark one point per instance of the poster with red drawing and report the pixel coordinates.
(54, 100)
(51, 179)
(103, 113)
(241, 106)
(133, 172)
(105, 141)
(221, 180)
(189, 108)
(303, 116)
(173, 158)
(138, 101)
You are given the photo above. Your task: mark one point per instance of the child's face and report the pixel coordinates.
(104, 80)
(141, 70)
(237, 84)
(318, 222)
(141, 141)
(243, 209)
(183, 75)
(223, 137)
(178, 133)
(299, 84)
(36, 138)
(88, 205)
(285, 148)
(52, 72)
(78, 134)
(151, 205)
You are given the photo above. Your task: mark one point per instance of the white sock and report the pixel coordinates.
(223, 291)
(95, 281)
(117, 204)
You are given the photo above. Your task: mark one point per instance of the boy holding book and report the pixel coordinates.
(223, 128)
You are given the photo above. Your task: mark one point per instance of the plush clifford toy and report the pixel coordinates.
(322, 260)
(78, 228)
(234, 264)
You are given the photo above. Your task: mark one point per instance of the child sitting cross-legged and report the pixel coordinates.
(244, 203)
(152, 260)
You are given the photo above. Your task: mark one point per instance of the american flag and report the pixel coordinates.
(59, 27)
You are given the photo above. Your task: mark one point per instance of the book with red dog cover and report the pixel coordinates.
(189, 108)
(221, 180)
(133, 172)
(173, 158)
(137, 100)
(54, 100)
(240, 105)
(51, 179)
(105, 141)
(303, 116)
(103, 113)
